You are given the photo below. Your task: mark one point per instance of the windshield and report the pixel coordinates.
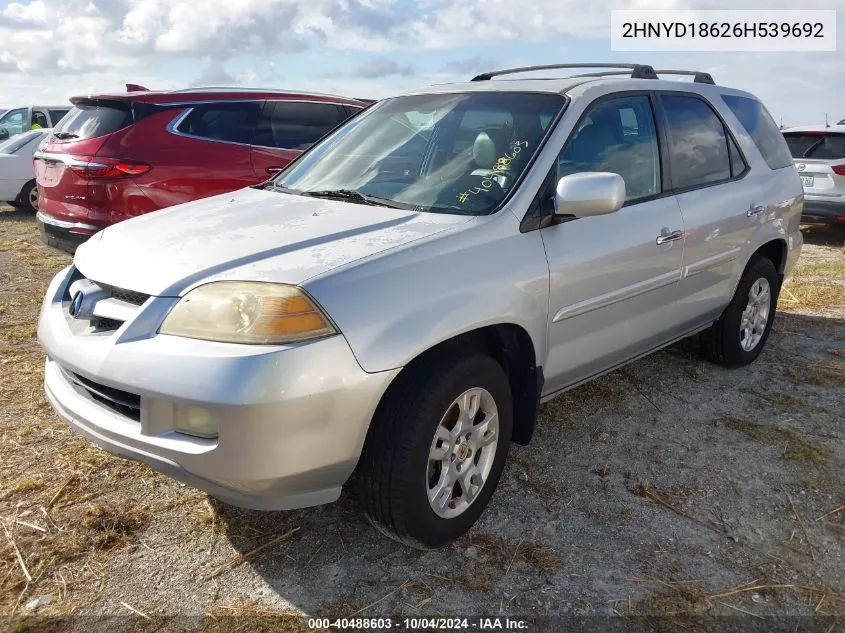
(15, 143)
(452, 153)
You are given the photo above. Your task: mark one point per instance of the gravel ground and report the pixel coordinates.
(671, 486)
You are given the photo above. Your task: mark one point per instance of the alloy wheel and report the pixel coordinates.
(462, 452)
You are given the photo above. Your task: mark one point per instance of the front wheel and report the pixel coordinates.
(436, 449)
(739, 335)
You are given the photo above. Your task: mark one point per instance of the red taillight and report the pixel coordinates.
(839, 169)
(95, 167)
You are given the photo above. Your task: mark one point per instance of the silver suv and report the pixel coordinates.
(398, 302)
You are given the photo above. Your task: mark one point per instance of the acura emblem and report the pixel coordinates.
(76, 304)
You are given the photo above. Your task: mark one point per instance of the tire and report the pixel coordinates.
(29, 197)
(727, 342)
(397, 471)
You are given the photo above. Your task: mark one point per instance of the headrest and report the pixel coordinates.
(484, 150)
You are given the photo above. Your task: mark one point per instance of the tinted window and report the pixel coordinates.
(56, 115)
(297, 125)
(761, 127)
(231, 122)
(818, 145)
(698, 147)
(738, 164)
(89, 121)
(617, 136)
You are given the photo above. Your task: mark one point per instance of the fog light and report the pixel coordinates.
(195, 421)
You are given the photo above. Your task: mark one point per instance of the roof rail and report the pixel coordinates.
(699, 76)
(638, 71)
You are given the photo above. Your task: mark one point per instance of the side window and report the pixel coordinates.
(298, 125)
(617, 135)
(762, 129)
(232, 122)
(698, 146)
(738, 164)
(56, 116)
(39, 120)
(14, 117)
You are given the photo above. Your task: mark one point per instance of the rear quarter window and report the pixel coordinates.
(90, 121)
(762, 129)
(229, 122)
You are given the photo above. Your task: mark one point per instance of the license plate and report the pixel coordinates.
(807, 181)
(47, 174)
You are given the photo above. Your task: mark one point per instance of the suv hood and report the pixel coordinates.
(250, 234)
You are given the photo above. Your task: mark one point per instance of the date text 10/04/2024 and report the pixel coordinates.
(411, 624)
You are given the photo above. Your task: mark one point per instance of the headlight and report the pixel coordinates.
(247, 312)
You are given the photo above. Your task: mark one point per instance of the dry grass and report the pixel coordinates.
(796, 448)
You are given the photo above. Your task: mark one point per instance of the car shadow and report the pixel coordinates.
(824, 234)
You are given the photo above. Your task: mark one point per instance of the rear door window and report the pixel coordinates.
(762, 129)
(229, 122)
(91, 121)
(297, 124)
(821, 145)
(698, 142)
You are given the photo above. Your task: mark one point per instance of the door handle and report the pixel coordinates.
(273, 170)
(755, 209)
(667, 236)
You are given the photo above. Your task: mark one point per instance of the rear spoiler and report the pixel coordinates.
(136, 88)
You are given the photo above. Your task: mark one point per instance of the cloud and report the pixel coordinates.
(469, 66)
(382, 67)
(72, 46)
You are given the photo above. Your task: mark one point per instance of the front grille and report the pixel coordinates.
(129, 296)
(122, 402)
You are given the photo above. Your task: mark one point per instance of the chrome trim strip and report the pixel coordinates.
(615, 296)
(62, 224)
(66, 159)
(711, 262)
(115, 309)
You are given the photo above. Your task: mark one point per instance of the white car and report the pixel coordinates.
(17, 173)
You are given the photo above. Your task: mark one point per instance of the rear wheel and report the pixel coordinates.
(739, 335)
(436, 449)
(29, 197)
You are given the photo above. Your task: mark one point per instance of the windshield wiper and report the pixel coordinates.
(65, 135)
(354, 196)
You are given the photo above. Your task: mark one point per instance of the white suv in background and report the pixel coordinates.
(819, 153)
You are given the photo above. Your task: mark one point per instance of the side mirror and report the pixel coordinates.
(589, 193)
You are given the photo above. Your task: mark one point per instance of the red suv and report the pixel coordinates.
(117, 156)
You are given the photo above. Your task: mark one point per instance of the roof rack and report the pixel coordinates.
(637, 71)
(699, 76)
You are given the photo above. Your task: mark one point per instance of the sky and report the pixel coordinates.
(51, 50)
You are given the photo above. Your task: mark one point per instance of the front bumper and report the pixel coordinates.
(823, 210)
(292, 419)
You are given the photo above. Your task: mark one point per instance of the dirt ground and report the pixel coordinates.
(671, 486)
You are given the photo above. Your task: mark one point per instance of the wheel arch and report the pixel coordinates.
(512, 347)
